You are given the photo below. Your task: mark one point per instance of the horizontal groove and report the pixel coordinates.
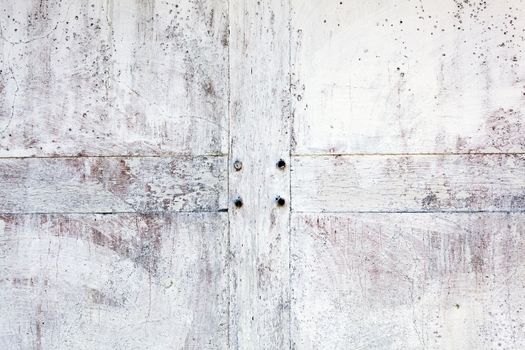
(159, 212)
(410, 212)
(179, 155)
(192, 156)
(406, 154)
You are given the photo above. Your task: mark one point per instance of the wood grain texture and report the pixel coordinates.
(260, 136)
(121, 281)
(409, 183)
(107, 184)
(120, 122)
(408, 76)
(113, 77)
(405, 281)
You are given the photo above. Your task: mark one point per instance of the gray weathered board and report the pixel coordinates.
(402, 126)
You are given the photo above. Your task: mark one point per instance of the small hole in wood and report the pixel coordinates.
(281, 164)
(238, 202)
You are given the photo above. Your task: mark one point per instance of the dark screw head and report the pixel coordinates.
(280, 201)
(237, 165)
(238, 202)
(281, 164)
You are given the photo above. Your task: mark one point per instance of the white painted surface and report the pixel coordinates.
(107, 184)
(120, 121)
(260, 136)
(113, 77)
(416, 183)
(124, 281)
(405, 281)
(408, 76)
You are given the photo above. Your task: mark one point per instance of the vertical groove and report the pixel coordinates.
(228, 162)
(290, 133)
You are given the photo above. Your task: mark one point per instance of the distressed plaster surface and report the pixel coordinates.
(401, 128)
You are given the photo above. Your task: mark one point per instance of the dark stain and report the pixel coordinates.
(116, 178)
(429, 201)
(100, 298)
(225, 39)
(17, 281)
(477, 262)
(125, 170)
(264, 275)
(147, 245)
(166, 203)
(9, 220)
(210, 21)
(504, 130)
(208, 88)
(517, 202)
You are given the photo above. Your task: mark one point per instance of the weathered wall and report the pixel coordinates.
(401, 124)
(113, 181)
(408, 180)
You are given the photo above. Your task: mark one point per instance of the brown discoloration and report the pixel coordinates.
(381, 249)
(395, 270)
(8, 220)
(148, 244)
(97, 277)
(142, 245)
(107, 184)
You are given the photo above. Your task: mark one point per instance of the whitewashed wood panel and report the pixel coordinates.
(121, 281)
(108, 184)
(114, 77)
(260, 136)
(408, 76)
(409, 183)
(408, 281)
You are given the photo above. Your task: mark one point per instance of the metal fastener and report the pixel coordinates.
(238, 202)
(237, 165)
(281, 164)
(280, 201)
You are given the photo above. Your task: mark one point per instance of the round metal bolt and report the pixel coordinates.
(238, 202)
(280, 201)
(281, 164)
(237, 165)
